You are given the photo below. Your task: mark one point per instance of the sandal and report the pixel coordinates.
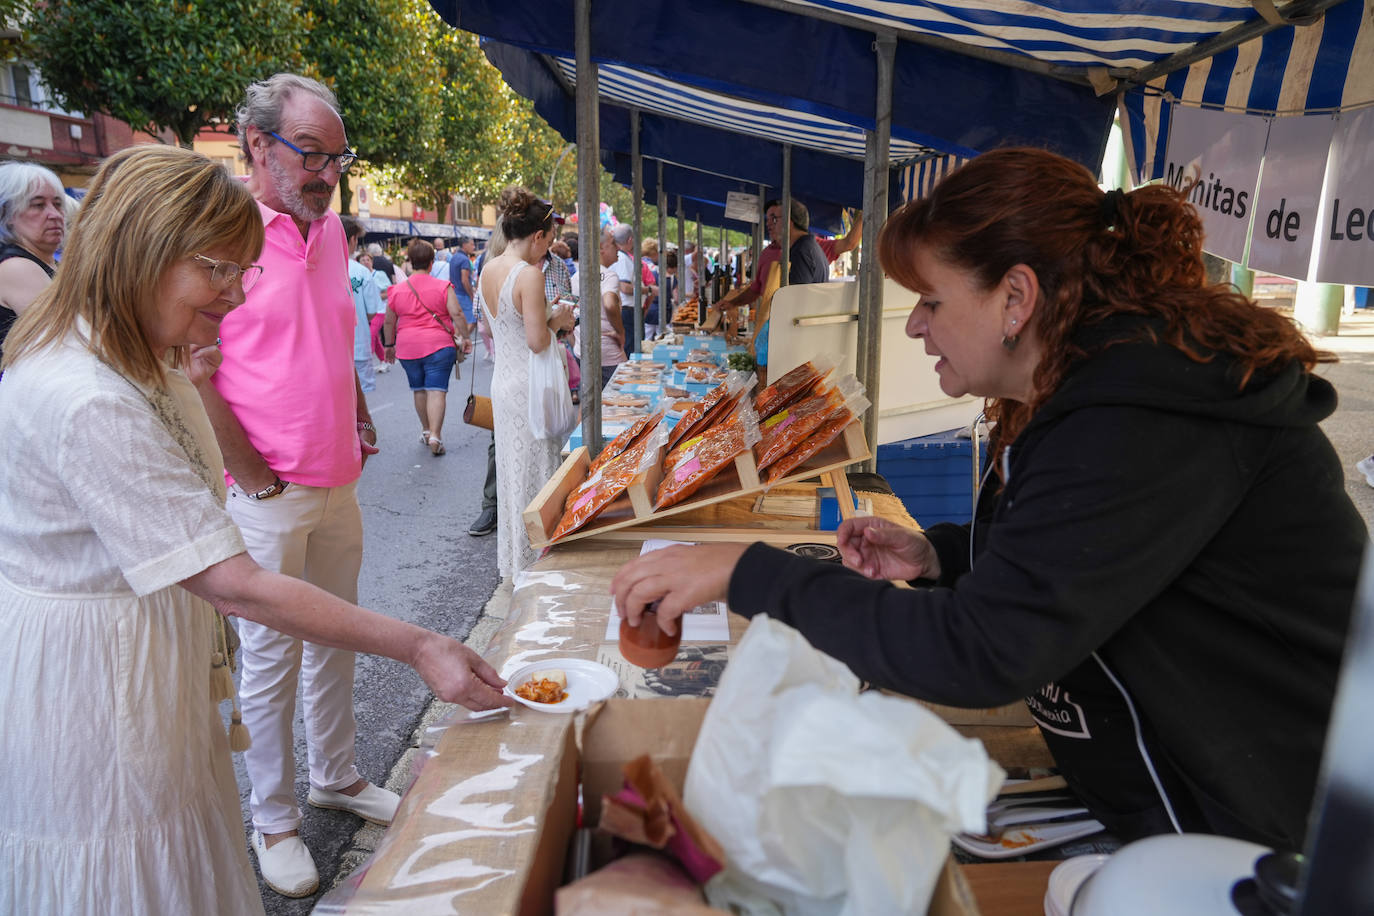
(424, 437)
(436, 446)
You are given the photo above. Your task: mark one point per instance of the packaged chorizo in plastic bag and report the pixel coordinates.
(784, 430)
(626, 439)
(692, 421)
(717, 447)
(828, 432)
(793, 385)
(601, 488)
(714, 417)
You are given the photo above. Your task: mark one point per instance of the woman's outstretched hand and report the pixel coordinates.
(459, 675)
(677, 578)
(880, 549)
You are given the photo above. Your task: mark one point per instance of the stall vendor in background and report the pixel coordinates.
(808, 261)
(1163, 559)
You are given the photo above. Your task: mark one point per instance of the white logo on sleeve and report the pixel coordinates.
(1056, 711)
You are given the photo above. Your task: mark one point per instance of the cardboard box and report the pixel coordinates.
(621, 730)
(487, 827)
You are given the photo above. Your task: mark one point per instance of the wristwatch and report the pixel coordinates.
(273, 489)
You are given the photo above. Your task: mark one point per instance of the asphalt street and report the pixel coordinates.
(419, 564)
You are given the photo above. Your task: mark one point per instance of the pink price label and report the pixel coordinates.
(584, 499)
(686, 469)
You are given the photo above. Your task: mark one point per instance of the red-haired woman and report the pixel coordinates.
(1163, 560)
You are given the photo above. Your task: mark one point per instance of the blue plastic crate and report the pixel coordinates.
(931, 475)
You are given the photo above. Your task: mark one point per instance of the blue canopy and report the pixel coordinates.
(745, 69)
(969, 75)
(818, 178)
(705, 194)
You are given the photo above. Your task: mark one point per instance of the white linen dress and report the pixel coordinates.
(117, 793)
(523, 463)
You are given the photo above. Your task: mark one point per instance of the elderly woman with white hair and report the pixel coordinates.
(33, 222)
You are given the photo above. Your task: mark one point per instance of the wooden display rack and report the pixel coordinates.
(635, 506)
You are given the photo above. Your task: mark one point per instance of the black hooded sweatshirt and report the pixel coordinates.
(1166, 576)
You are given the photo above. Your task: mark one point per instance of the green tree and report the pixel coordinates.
(372, 53)
(179, 65)
(470, 151)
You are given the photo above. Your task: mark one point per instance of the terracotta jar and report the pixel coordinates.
(646, 645)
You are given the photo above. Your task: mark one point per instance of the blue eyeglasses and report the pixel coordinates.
(318, 162)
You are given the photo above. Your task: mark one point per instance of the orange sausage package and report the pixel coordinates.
(828, 432)
(629, 437)
(717, 447)
(787, 428)
(693, 421)
(793, 385)
(601, 488)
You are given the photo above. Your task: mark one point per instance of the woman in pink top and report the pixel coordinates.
(424, 327)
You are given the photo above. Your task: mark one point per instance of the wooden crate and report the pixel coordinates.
(635, 507)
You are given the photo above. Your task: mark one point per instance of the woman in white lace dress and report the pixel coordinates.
(522, 323)
(118, 795)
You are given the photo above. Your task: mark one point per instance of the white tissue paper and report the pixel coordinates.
(828, 801)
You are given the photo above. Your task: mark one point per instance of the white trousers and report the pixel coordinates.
(315, 534)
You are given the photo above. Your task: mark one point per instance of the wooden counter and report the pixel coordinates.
(473, 832)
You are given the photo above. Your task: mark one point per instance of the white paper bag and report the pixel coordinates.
(828, 801)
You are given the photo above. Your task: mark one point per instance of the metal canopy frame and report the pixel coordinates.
(877, 164)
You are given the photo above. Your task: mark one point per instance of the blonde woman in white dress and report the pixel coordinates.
(115, 553)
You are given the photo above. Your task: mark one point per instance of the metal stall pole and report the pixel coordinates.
(701, 273)
(876, 165)
(637, 192)
(588, 227)
(785, 217)
(665, 307)
(681, 253)
(759, 240)
(725, 261)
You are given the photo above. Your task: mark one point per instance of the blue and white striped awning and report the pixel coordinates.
(969, 75)
(1324, 67)
(650, 92)
(916, 180)
(1084, 33)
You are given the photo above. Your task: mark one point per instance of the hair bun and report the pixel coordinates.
(516, 202)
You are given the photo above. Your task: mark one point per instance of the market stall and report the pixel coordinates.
(493, 823)
(493, 819)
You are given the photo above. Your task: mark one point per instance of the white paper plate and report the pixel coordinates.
(1027, 838)
(588, 682)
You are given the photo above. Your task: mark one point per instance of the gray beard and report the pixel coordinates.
(292, 196)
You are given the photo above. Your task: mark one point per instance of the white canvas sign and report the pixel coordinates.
(741, 206)
(1290, 192)
(1217, 154)
(1345, 252)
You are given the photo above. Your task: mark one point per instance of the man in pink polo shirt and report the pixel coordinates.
(293, 425)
